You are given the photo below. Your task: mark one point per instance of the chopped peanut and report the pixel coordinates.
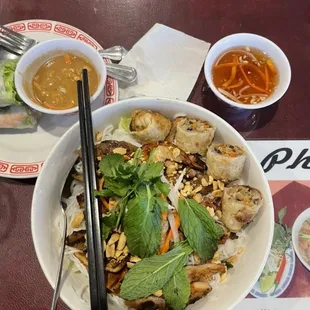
(215, 187)
(223, 276)
(232, 259)
(98, 136)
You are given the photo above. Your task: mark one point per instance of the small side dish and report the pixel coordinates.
(245, 74)
(247, 71)
(54, 84)
(46, 75)
(171, 229)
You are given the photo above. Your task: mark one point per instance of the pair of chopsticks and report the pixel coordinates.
(98, 294)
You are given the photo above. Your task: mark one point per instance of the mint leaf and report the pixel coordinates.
(162, 204)
(142, 224)
(200, 229)
(152, 273)
(161, 187)
(119, 187)
(177, 290)
(104, 193)
(153, 170)
(110, 163)
(107, 224)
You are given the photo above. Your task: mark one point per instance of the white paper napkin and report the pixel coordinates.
(168, 63)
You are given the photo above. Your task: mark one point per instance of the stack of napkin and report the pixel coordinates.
(168, 63)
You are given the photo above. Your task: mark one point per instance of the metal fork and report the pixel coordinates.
(20, 44)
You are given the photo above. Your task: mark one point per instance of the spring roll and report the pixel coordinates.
(240, 204)
(149, 127)
(18, 117)
(191, 135)
(225, 162)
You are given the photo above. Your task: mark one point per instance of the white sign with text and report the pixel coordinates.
(283, 160)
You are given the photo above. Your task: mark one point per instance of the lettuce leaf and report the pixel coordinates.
(8, 94)
(125, 123)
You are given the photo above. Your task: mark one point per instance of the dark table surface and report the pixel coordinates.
(287, 23)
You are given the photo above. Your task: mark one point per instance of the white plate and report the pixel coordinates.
(296, 228)
(22, 152)
(46, 207)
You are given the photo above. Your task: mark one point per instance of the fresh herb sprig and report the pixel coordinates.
(200, 229)
(139, 186)
(160, 272)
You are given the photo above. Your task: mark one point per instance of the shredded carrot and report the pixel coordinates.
(68, 59)
(100, 185)
(233, 72)
(177, 220)
(164, 216)
(252, 85)
(235, 85)
(163, 197)
(267, 78)
(106, 205)
(271, 66)
(256, 69)
(169, 236)
(228, 64)
(166, 245)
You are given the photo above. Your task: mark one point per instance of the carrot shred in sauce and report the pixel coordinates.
(233, 72)
(235, 85)
(266, 78)
(271, 66)
(251, 84)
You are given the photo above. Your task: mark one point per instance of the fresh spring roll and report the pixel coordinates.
(8, 95)
(191, 135)
(240, 204)
(225, 162)
(149, 127)
(18, 117)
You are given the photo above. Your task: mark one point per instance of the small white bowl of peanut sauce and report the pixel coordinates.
(46, 75)
(247, 71)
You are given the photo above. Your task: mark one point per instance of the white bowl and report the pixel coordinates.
(30, 63)
(261, 43)
(46, 206)
(295, 231)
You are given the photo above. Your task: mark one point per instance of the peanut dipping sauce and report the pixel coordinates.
(54, 84)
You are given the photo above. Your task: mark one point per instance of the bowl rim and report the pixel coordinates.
(265, 103)
(295, 230)
(180, 103)
(18, 75)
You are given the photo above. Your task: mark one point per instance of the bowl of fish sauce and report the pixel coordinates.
(247, 71)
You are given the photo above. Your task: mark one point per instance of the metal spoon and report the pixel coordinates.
(116, 53)
(122, 73)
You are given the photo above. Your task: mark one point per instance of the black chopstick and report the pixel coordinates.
(98, 294)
